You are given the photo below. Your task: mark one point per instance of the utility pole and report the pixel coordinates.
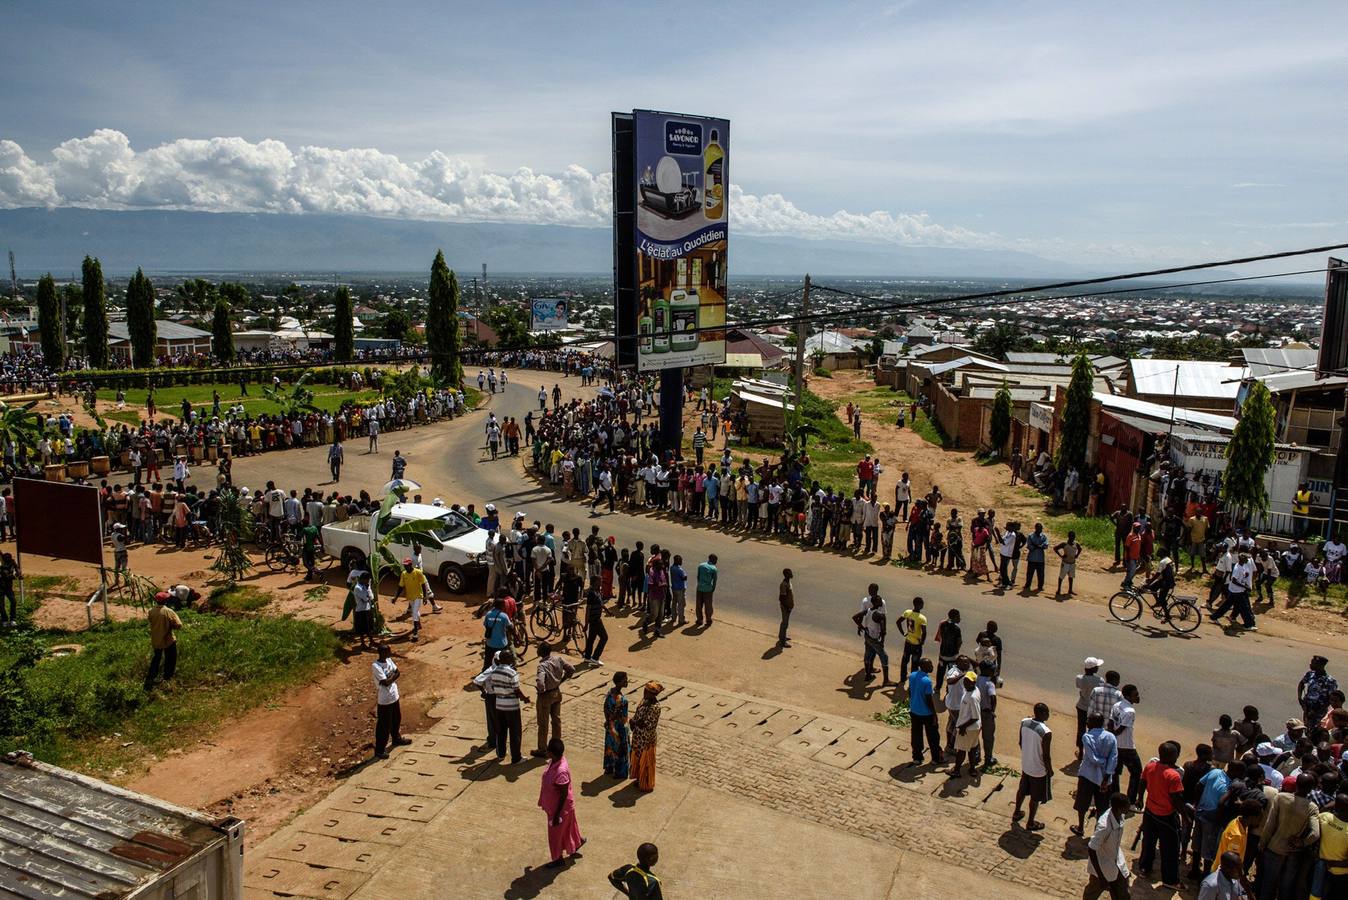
(13, 280)
(802, 332)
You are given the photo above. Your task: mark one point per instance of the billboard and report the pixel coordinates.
(548, 314)
(1334, 333)
(680, 166)
(76, 532)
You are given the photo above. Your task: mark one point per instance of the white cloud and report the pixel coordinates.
(103, 171)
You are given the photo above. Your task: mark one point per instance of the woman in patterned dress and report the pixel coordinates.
(617, 739)
(645, 721)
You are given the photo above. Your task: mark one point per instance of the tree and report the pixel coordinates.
(397, 325)
(343, 332)
(72, 298)
(1000, 426)
(1076, 414)
(222, 334)
(20, 427)
(196, 295)
(999, 340)
(49, 323)
(95, 314)
(140, 320)
(1251, 452)
(442, 321)
(876, 348)
(511, 325)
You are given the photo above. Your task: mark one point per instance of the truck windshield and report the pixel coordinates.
(454, 525)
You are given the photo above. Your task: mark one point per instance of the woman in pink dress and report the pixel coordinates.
(557, 799)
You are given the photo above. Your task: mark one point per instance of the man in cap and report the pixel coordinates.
(412, 582)
(120, 565)
(163, 642)
(1314, 689)
(1087, 682)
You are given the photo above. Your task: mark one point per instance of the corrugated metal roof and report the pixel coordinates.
(166, 331)
(1277, 360)
(1159, 412)
(1278, 382)
(62, 834)
(830, 342)
(1017, 393)
(949, 365)
(1196, 378)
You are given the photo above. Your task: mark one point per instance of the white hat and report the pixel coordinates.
(1093, 662)
(490, 507)
(437, 502)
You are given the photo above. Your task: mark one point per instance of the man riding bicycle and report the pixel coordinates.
(1162, 581)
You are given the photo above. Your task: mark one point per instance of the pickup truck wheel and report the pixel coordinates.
(455, 579)
(352, 559)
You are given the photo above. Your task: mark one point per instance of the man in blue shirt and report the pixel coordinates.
(922, 713)
(1212, 787)
(1099, 759)
(678, 591)
(1035, 545)
(497, 627)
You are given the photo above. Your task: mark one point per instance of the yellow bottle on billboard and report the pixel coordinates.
(713, 180)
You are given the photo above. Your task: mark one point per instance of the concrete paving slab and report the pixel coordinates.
(712, 707)
(296, 879)
(371, 802)
(850, 748)
(815, 736)
(332, 853)
(462, 723)
(352, 826)
(743, 719)
(453, 746)
(674, 700)
(779, 726)
(437, 785)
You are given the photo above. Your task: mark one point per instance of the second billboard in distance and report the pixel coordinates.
(683, 188)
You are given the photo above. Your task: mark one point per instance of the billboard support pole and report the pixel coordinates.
(671, 410)
(802, 333)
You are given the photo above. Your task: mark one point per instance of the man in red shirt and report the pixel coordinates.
(1163, 787)
(1132, 553)
(865, 472)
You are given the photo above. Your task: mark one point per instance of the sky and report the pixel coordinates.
(1100, 134)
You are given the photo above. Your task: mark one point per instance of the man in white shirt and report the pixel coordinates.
(1036, 765)
(1122, 717)
(1107, 867)
(968, 726)
(388, 718)
(1238, 587)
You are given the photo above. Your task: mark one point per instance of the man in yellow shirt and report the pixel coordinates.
(1301, 510)
(163, 641)
(412, 583)
(1236, 836)
(1197, 524)
(913, 625)
(1331, 871)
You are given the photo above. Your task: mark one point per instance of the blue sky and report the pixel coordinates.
(1089, 132)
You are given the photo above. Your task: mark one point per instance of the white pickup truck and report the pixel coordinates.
(463, 558)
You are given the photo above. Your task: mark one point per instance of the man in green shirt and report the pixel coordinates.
(706, 589)
(309, 550)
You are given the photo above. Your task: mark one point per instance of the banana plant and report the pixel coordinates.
(298, 399)
(20, 427)
(420, 531)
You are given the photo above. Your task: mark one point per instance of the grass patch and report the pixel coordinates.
(239, 598)
(80, 710)
(897, 716)
(1335, 596)
(316, 593)
(169, 400)
(1095, 534)
(881, 404)
(930, 431)
(125, 416)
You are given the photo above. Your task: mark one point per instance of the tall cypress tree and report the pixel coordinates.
(49, 323)
(343, 332)
(1251, 452)
(95, 314)
(1000, 426)
(222, 336)
(1076, 414)
(442, 321)
(140, 320)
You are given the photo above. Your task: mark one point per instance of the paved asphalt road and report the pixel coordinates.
(1186, 682)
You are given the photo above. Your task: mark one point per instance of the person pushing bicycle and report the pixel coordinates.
(1162, 581)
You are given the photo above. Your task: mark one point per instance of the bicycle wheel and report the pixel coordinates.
(1125, 606)
(1183, 616)
(278, 559)
(542, 622)
(577, 638)
(519, 636)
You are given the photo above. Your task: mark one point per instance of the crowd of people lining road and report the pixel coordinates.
(1248, 812)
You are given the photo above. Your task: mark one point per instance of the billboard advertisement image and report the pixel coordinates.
(682, 195)
(548, 314)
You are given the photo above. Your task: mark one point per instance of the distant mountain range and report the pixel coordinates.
(168, 241)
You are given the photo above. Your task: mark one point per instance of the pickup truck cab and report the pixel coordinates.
(463, 558)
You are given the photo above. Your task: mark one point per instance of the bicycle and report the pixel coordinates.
(548, 619)
(518, 634)
(1180, 613)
